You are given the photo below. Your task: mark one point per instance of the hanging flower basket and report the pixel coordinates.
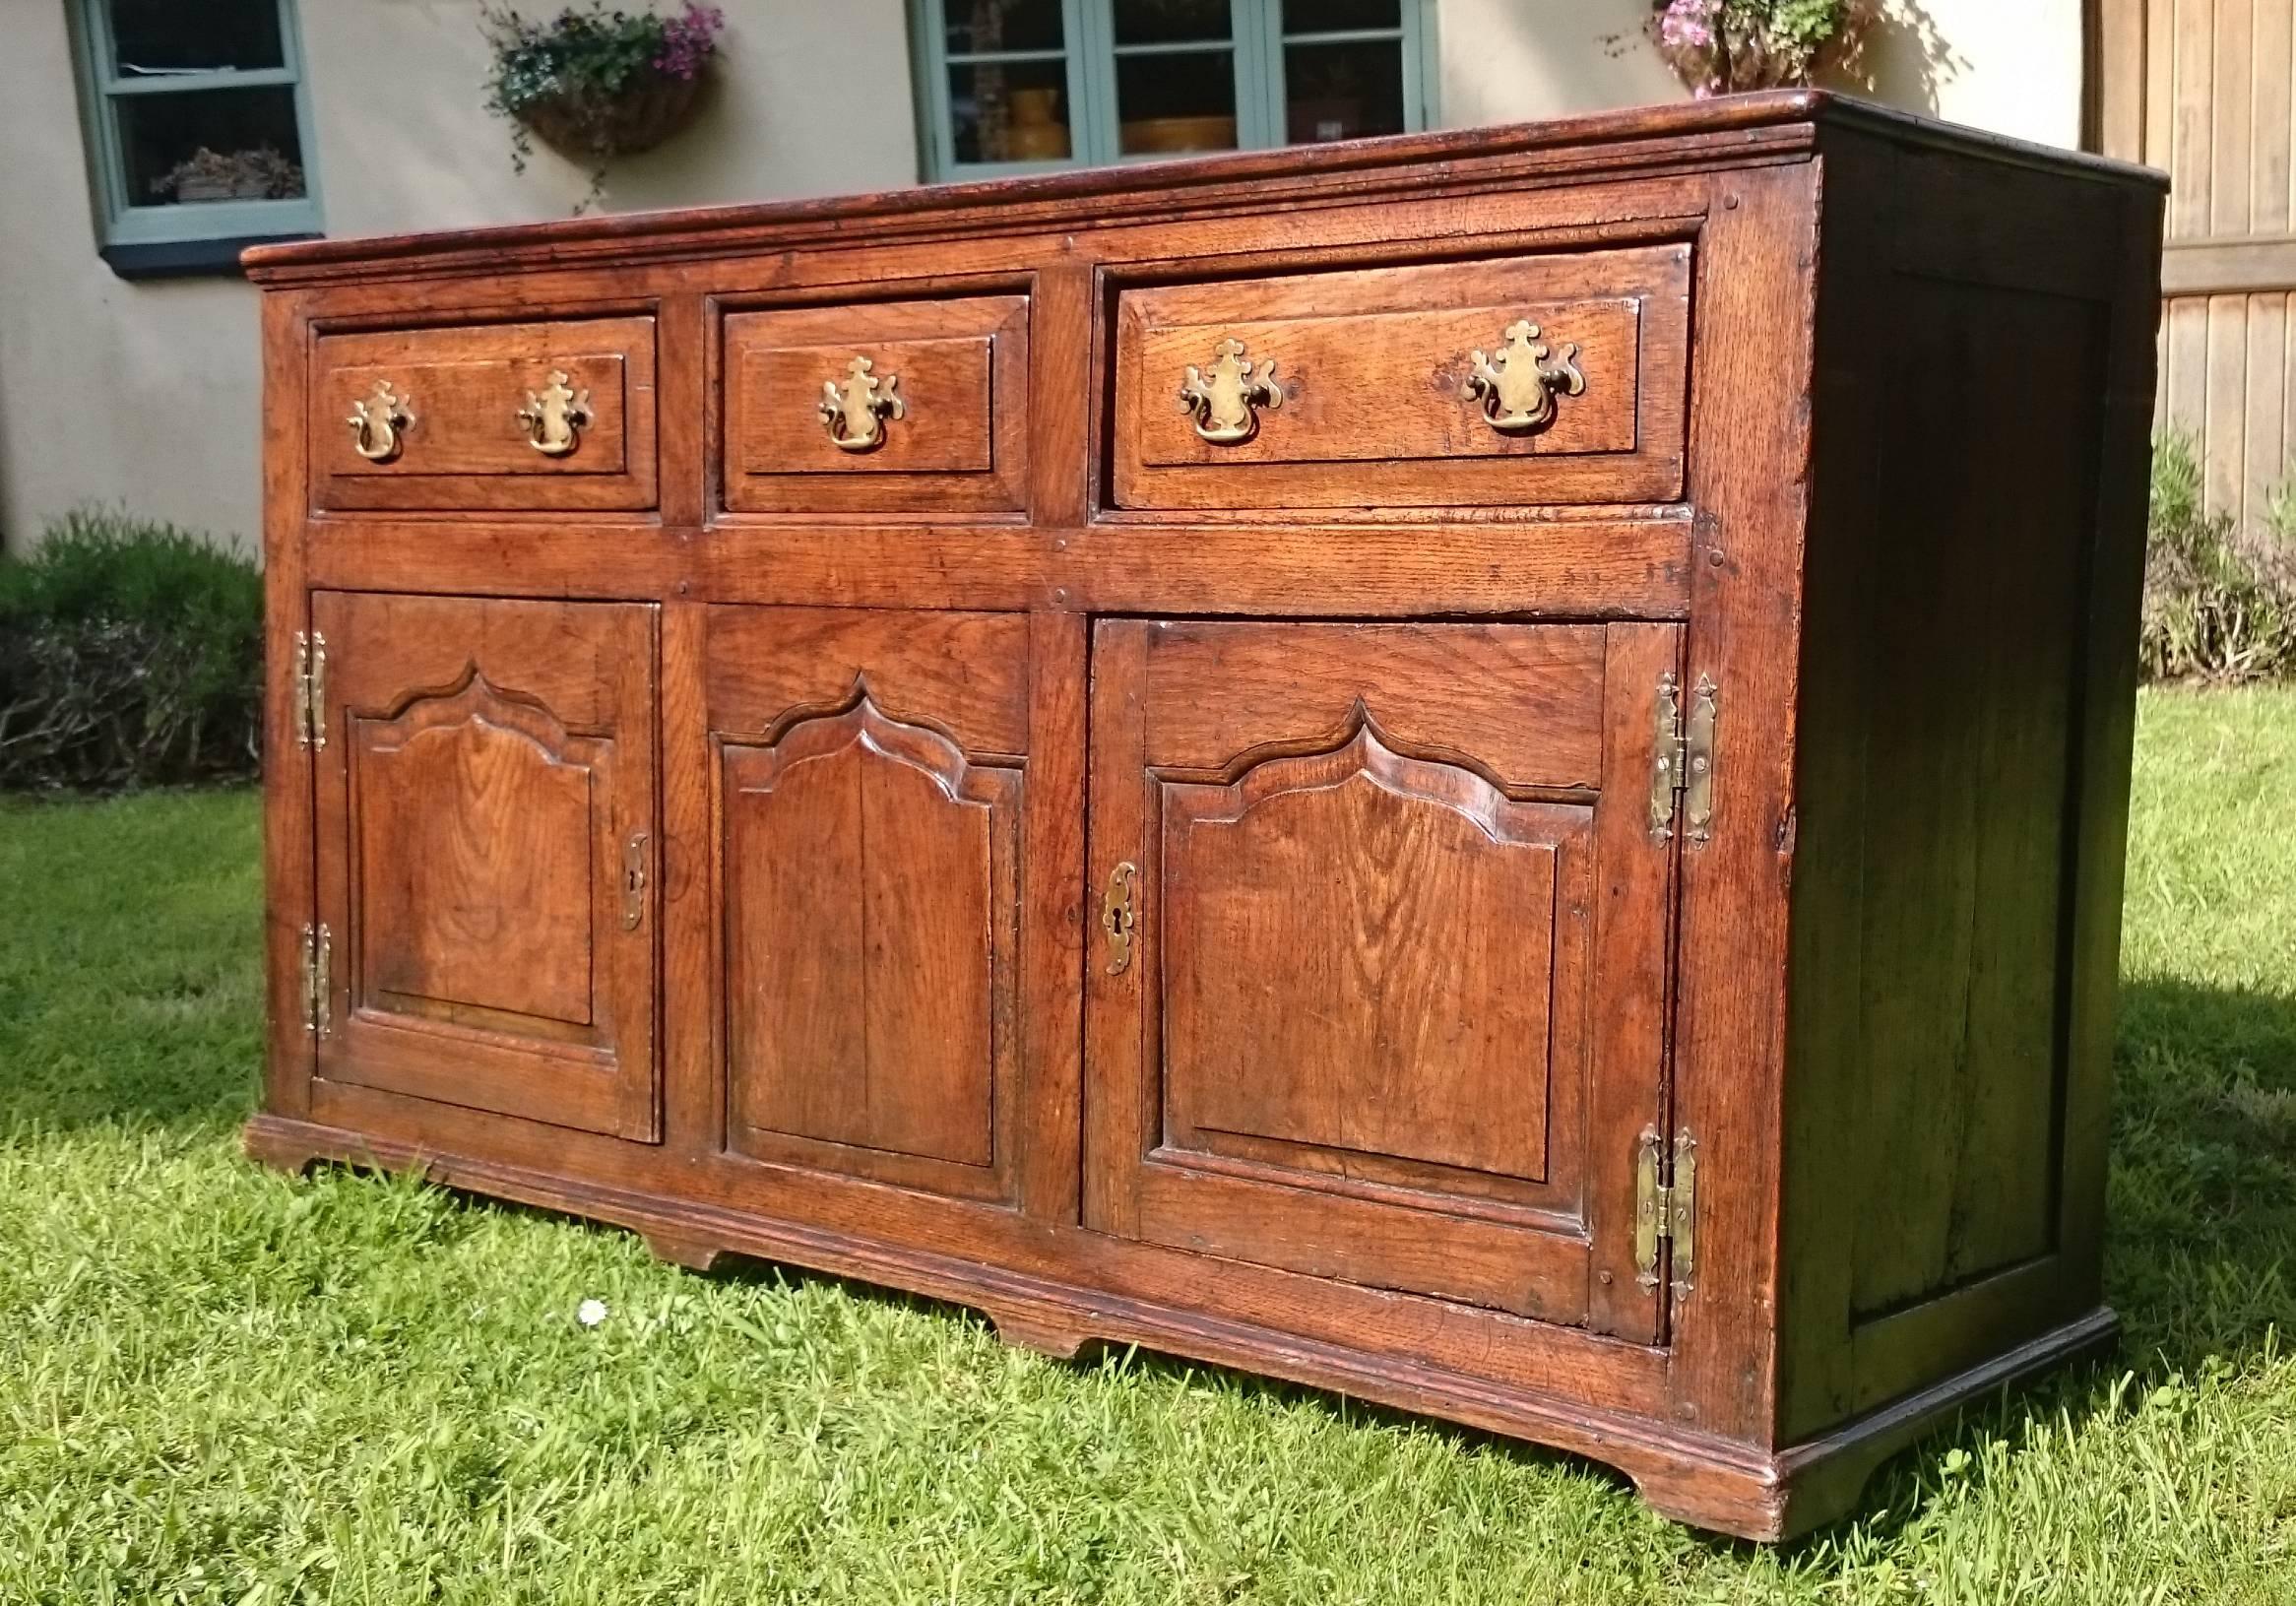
(594, 84)
(592, 126)
(1724, 46)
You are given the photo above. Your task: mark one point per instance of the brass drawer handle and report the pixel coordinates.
(1226, 405)
(1118, 917)
(555, 418)
(856, 412)
(1518, 386)
(378, 424)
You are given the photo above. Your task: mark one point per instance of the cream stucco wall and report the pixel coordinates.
(145, 393)
(2011, 66)
(409, 145)
(109, 391)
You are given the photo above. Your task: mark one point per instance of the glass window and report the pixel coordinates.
(1171, 22)
(1010, 86)
(1007, 82)
(1176, 76)
(197, 120)
(1343, 70)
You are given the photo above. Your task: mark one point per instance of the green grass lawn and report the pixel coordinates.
(221, 1385)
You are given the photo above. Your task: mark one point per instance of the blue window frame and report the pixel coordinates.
(1020, 86)
(198, 121)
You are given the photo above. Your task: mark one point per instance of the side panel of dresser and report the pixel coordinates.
(1986, 381)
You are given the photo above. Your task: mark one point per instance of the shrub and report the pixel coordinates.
(131, 654)
(2219, 597)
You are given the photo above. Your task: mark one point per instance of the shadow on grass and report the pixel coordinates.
(2202, 1245)
(2201, 1232)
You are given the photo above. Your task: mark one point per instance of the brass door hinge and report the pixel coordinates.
(1682, 766)
(318, 980)
(1666, 1212)
(311, 691)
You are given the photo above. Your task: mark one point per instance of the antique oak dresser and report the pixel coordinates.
(1485, 770)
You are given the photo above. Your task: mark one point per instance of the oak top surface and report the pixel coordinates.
(1766, 125)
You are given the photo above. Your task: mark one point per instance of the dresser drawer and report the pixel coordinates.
(1553, 378)
(885, 407)
(493, 416)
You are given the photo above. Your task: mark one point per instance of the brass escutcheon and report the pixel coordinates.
(379, 424)
(1118, 916)
(856, 412)
(1517, 387)
(634, 882)
(1225, 402)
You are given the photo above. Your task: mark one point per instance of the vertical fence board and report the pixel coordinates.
(2227, 156)
(2223, 432)
(2270, 122)
(2191, 121)
(2264, 424)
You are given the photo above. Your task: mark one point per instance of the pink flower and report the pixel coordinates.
(1689, 25)
(690, 39)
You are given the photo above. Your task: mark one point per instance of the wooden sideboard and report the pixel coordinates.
(1485, 770)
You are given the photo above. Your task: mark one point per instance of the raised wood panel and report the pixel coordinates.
(1348, 406)
(487, 780)
(466, 447)
(872, 939)
(1321, 868)
(1965, 784)
(959, 368)
(869, 805)
(450, 921)
(1374, 363)
(1355, 1037)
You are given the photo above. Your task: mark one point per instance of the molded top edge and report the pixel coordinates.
(556, 242)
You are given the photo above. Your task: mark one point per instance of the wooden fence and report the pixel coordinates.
(2202, 88)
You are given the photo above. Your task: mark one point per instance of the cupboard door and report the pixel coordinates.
(1390, 1007)
(485, 854)
(869, 778)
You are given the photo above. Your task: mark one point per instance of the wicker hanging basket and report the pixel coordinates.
(590, 126)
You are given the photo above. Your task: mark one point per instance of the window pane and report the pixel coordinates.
(210, 145)
(1002, 24)
(1174, 103)
(158, 37)
(1010, 111)
(1337, 91)
(1157, 22)
(1340, 16)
